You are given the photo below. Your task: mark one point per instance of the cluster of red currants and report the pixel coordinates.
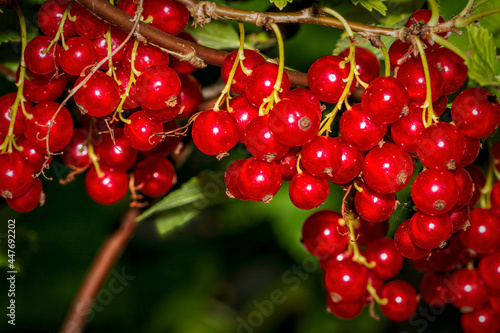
(153, 88)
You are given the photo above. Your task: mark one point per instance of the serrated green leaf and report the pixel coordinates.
(482, 62)
(378, 5)
(216, 34)
(281, 3)
(182, 205)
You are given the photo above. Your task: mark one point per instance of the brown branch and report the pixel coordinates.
(104, 261)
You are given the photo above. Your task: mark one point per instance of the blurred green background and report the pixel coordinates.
(218, 273)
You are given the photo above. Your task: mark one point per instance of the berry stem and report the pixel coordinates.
(237, 61)
(281, 67)
(60, 29)
(467, 9)
(443, 42)
(427, 106)
(373, 293)
(387, 61)
(435, 13)
(461, 22)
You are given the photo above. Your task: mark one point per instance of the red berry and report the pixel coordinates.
(406, 131)
(190, 96)
(117, 37)
(117, 154)
(435, 192)
(404, 243)
(108, 189)
(452, 68)
(372, 205)
(325, 78)
(412, 76)
(321, 156)
(483, 235)
(155, 175)
(459, 217)
(367, 232)
(402, 300)
(86, 23)
(428, 232)
(6, 104)
(489, 268)
(259, 180)
(140, 132)
(468, 290)
(366, 63)
(146, 55)
(49, 18)
(385, 100)
(158, 87)
(472, 147)
(35, 158)
(399, 53)
(434, 289)
(387, 169)
(16, 175)
(79, 55)
(40, 88)
(351, 163)
(37, 60)
(288, 163)
(252, 59)
(388, 261)
(260, 140)
(422, 17)
(476, 113)
(76, 153)
(243, 112)
(465, 187)
(231, 178)
(323, 234)
(307, 191)
(215, 132)
(260, 83)
(358, 131)
(29, 200)
(99, 96)
(345, 310)
(480, 321)
(168, 16)
(346, 281)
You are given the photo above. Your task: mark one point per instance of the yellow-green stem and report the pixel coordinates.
(465, 21)
(229, 82)
(109, 44)
(467, 9)
(281, 68)
(443, 42)
(373, 293)
(357, 256)
(431, 116)
(387, 61)
(338, 17)
(435, 13)
(60, 29)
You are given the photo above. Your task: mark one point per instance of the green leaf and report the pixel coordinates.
(10, 30)
(216, 34)
(482, 62)
(281, 3)
(182, 205)
(378, 5)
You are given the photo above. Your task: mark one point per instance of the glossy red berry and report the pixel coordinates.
(79, 55)
(406, 131)
(252, 59)
(358, 131)
(476, 113)
(385, 100)
(155, 176)
(260, 83)
(35, 158)
(158, 87)
(146, 55)
(345, 310)
(367, 63)
(288, 163)
(402, 300)
(465, 186)
(168, 16)
(259, 180)
(387, 169)
(140, 132)
(117, 37)
(321, 156)
(49, 18)
(472, 147)
(108, 189)
(243, 111)
(482, 320)
(307, 191)
(190, 96)
(40, 88)
(324, 234)
(86, 23)
(441, 146)
(37, 60)
(171, 144)
(325, 78)
(42, 127)
(76, 153)
(452, 68)
(29, 200)
(6, 104)
(346, 281)
(117, 154)
(405, 245)
(123, 78)
(469, 290)
(293, 122)
(261, 142)
(428, 232)
(16, 175)
(99, 96)
(388, 261)
(412, 76)
(489, 269)
(351, 162)
(305, 95)
(459, 217)
(399, 53)
(372, 205)
(483, 235)
(231, 178)
(435, 192)
(439, 106)
(215, 132)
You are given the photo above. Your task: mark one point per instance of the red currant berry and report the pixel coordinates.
(367, 232)
(402, 300)
(428, 232)
(215, 132)
(406, 131)
(412, 76)
(123, 78)
(252, 59)
(452, 68)
(44, 126)
(293, 122)
(260, 140)
(489, 268)
(476, 113)
(40, 88)
(441, 146)
(87, 24)
(404, 243)
(373, 206)
(6, 104)
(358, 131)
(483, 320)
(37, 59)
(108, 189)
(190, 96)
(260, 83)
(366, 63)
(325, 78)
(155, 176)
(288, 164)
(49, 18)
(345, 310)
(35, 158)
(168, 16)
(140, 132)
(158, 87)
(307, 191)
(146, 55)
(169, 144)
(117, 37)
(231, 178)
(468, 289)
(305, 95)
(117, 153)
(29, 200)
(16, 175)
(472, 147)
(399, 53)
(439, 106)
(434, 289)
(420, 18)
(79, 55)
(387, 169)
(483, 235)
(435, 192)
(346, 281)
(385, 100)
(388, 261)
(351, 162)
(465, 187)
(76, 153)
(324, 234)
(243, 112)
(99, 96)
(321, 156)
(259, 180)
(459, 217)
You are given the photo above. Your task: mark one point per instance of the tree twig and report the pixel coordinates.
(103, 263)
